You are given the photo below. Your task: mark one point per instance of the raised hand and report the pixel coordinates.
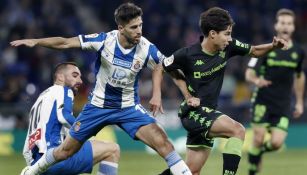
(280, 43)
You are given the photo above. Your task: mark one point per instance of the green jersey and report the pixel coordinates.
(204, 72)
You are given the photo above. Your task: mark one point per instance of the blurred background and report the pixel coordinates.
(169, 24)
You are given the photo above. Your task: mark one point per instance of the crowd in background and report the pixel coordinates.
(169, 24)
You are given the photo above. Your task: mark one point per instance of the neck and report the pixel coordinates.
(208, 46)
(57, 82)
(124, 42)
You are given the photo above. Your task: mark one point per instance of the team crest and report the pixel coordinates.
(137, 65)
(77, 126)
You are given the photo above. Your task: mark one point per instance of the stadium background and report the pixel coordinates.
(170, 24)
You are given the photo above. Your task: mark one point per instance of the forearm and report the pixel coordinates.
(157, 77)
(58, 42)
(299, 86)
(181, 84)
(261, 50)
(250, 75)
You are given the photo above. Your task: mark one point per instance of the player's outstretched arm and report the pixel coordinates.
(53, 42)
(299, 86)
(250, 76)
(260, 50)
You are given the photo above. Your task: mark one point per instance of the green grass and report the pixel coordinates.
(290, 162)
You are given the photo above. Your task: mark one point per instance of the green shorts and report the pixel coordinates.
(198, 121)
(263, 117)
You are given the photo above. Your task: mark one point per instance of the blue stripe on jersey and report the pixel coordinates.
(113, 96)
(68, 107)
(153, 51)
(121, 59)
(136, 88)
(101, 37)
(53, 129)
(97, 67)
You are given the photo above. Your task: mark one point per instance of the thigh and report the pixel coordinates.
(80, 162)
(196, 158)
(133, 118)
(198, 121)
(278, 136)
(225, 127)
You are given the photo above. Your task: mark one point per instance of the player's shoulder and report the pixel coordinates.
(145, 43)
(297, 46)
(189, 50)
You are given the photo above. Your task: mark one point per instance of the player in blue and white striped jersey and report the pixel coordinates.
(121, 55)
(50, 119)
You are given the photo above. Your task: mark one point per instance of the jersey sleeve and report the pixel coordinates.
(237, 47)
(65, 108)
(299, 67)
(175, 61)
(92, 41)
(154, 56)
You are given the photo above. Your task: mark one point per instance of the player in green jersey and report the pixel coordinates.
(274, 77)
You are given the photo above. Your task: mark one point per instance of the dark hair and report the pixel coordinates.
(126, 12)
(60, 67)
(282, 12)
(216, 19)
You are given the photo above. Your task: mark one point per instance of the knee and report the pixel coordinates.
(238, 131)
(115, 151)
(276, 144)
(63, 154)
(163, 143)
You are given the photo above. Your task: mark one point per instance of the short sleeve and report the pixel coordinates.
(65, 108)
(154, 56)
(92, 41)
(175, 61)
(237, 47)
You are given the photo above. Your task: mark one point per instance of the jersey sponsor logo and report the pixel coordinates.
(77, 126)
(119, 74)
(198, 75)
(281, 63)
(34, 137)
(94, 35)
(168, 61)
(240, 44)
(199, 63)
(122, 63)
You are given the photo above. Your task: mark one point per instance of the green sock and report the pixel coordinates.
(232, 155)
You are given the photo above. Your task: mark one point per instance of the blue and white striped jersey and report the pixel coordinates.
(50, 118)
(117, 69)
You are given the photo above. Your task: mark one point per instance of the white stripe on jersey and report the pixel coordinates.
(42, 113)
(118, 68)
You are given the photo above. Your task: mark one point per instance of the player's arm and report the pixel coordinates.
(180, 82)
(299, 86)
(251, 76)
(156, 100)
(65, 108)
(52, 42)
(261, 50)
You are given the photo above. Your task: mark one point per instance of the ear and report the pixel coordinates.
(61, 77)
(275, 26)
(120, 28)
(212, 34)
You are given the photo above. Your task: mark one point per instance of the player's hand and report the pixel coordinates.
(299, 109)
(261, 82)
(280, 43)
(193, 101)
(155, 106)
(26, 42)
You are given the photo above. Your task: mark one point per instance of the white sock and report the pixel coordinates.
(107, 168)
(43, 163)
(180, 168)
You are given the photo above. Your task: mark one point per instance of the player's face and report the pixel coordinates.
(222, 38)
(72, 77)
(285, 26)
(133, 30)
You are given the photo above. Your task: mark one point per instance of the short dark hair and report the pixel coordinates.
(60, 67)
(284, 11)
(126, 12)
(216, 19)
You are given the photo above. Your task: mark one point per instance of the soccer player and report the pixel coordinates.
(203, 65)
(51, 117)
(274, 76)
(121, 56)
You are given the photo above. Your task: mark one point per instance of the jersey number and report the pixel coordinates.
(34, 117)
